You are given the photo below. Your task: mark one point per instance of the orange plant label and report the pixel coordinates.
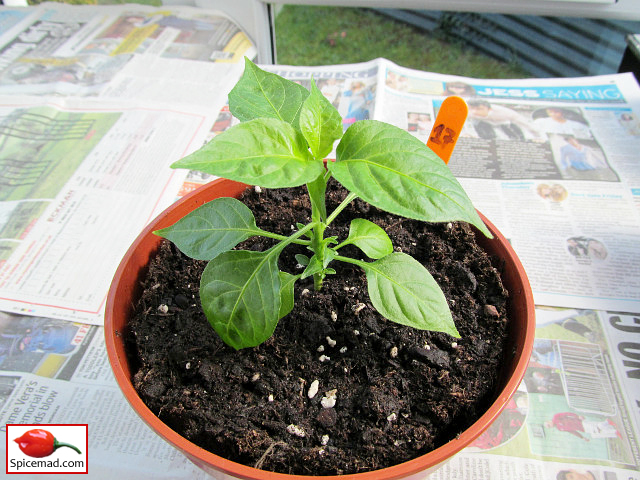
(447, 127)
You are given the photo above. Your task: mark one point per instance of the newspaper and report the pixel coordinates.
(110, 96)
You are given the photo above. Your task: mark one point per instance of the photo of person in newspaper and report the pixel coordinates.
(580, 158)
(572, 474)
(582, 428)
(493, 121)
(561, 120)
(38, 344)
(360, 102)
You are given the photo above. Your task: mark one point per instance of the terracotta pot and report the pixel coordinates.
(125, 290)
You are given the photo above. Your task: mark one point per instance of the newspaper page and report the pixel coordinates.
(124, 51)
(80, 180)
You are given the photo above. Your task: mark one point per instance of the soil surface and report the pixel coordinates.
(399, 392)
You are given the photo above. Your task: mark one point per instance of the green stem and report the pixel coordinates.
(317, 247)
(277, 236)
(350, 198)
(293, 238)
(353, 261)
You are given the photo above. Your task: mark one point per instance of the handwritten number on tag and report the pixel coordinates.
(438, 130)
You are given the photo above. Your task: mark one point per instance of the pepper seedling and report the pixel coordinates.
(285, 133)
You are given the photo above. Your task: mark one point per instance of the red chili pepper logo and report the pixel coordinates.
(39, 443)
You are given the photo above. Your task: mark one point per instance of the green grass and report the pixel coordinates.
(311, 35)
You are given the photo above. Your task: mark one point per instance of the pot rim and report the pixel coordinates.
(523, 339)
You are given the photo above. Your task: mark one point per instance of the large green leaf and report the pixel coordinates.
(393, 170)
(213, 228)
(369, 237)
(261, 94)
(320, 123)
(403, 291)
(265, 152)
(240, 295)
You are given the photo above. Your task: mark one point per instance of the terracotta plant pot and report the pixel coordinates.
(125, 289)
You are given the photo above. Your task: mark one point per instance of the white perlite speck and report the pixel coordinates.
(393, 353)
(334, 316)
(331, 342)
(324, 440)
(313, 389)
(296, 430)
(358, 307)
(257, 189)
(324, 358)
(392, 418)
(320, 349)
(163, 308)
(343, 350)
(329, 399)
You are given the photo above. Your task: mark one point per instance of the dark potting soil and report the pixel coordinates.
(399, 392)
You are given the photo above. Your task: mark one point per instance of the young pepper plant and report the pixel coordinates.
(285, 133)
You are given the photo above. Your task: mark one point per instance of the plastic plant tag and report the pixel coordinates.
(447, 127)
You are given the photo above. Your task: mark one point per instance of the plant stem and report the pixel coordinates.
(277, 236)
(350, 198)
(353, 261)
(293, 238)
(318, 248)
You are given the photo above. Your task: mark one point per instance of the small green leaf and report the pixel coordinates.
(403, 291)
(213, 228)
(370, 238)
(320, 123)
(302, 259)
(261, 94)
(314, 266)
(287, 282)
(265, 152)
(391, 169)
(240, 293)
(318, 265)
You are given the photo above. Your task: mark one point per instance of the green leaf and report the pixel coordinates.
(403, 291)
(287, 282)
(240, 293)
(265, 152)
(260, 94)
(391, 169)
(317, 265)
(213, 228)
(314, 266)
(320, 123)
(302, 259)
(369, 237)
